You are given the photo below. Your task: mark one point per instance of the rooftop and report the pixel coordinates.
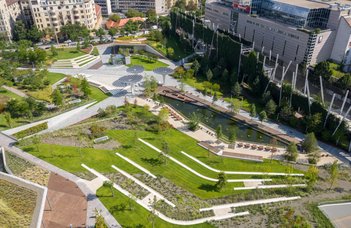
(315, 4)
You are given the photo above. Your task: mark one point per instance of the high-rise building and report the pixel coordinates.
(301, 31)
(9, 13)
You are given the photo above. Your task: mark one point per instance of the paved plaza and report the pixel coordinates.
(339, 214)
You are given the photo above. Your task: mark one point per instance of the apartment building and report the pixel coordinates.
(301, 31)
(53, 14)
(9, 13)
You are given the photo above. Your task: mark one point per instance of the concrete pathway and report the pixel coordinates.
(237, 172)
(15, 91)
(270, 186)
(136, 165)
(146, 203)
(249, 203)
(93, 201)
(199, 174)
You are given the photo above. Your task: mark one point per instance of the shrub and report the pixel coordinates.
(31, 130)
(97, 131)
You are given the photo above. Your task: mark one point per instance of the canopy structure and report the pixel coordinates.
(164, 71)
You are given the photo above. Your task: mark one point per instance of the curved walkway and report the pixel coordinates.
(270, 186)
(136, 165)
(237, 172)
(148, 207)
(198, 174)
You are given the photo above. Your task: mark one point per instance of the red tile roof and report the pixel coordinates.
(11, 2)
(111, 24)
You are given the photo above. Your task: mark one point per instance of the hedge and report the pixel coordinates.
(31, 130)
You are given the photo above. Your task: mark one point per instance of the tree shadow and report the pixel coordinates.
(208, 187)
(126, 146)
(152, 161)
(119, 208)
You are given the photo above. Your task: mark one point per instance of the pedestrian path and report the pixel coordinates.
(147, 204)
(198, 174)
(237, 172)
(270, 186)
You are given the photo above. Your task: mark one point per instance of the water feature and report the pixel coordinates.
(212, 119)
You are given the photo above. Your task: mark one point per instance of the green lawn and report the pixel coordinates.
(97, 94)
(4, 93)
(70, 159)
(135, 217)
(55, 77)
(148, 65)
(67, 53)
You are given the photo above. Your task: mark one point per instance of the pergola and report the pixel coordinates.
(164, 71)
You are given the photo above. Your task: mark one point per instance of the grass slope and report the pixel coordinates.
(148, 66)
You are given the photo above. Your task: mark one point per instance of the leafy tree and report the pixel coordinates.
(263, 116)
(310, 143)
(181, 4)
(313, 123)
(100, 33)
(74, 31)
(285, 112)
(8, 119)
(112, 32)
(19, 31)
(131, 26)
(219, 132)
(151, 16)
(345, 81)
(194, 122)
(109, 184)
(17, 108)
(253, 110)
(36, 141)
(209, 75)
(196, 66)
(191, 6)
(170, 52)
(53, 50)
(333, 174)
(78, 46)
(323, 69)
(236, 90)
(115, 17)
(85, 88)
(34, 34)
(57, 97)
(292, 152)
(222, 181)
(163, 115)
(312, 175)
(232, 136)
(155, 35)
(134, 13)
(150, 85)
(99, 220)
(215, 97)
(235, 105)
(249, 67)
(271, 107)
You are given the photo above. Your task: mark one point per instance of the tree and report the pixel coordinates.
(85, 88)
(181, 4)
(333, 174)
(191, 6)
(219, 132)
(170, 52)
(152, 216)
(235, 105)
(163, 115)
(209, 75)
(112, 32)
(114, 17)
(310, 143)
(78, 46)
(99, 220)
(100, 33)
(312, 175)
(271, 107)
(263, 116)
(109, 184)
(323, 69)
(34, 34)
(151, 16)
(165, 150)
(236, 90)
(8, 119)
(57, 97)
(292, 152)
(156, 35)
(150, 85)
(313, 123)
(194, 122)
(196, 66)
(232, 137)
(134, 13)
(36, 141)
(19, 31)
(53, 50)
(253, 110)
(222, 180)
(74, 31)
(215, 97)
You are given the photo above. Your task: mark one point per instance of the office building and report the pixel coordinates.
(9, 12)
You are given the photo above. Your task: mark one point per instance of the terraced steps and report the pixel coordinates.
(77, 62)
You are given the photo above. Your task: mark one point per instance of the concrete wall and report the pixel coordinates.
(218, 14)
(144, 47)
(289, 43)
(342, 40)
(323, 47)
(41, 196)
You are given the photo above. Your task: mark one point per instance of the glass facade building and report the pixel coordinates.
(290, 14)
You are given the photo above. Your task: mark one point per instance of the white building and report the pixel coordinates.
(9, 13)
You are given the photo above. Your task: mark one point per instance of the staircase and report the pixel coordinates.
(77, 62)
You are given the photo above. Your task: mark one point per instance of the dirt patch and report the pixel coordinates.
(108, 145)
(66, 141)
